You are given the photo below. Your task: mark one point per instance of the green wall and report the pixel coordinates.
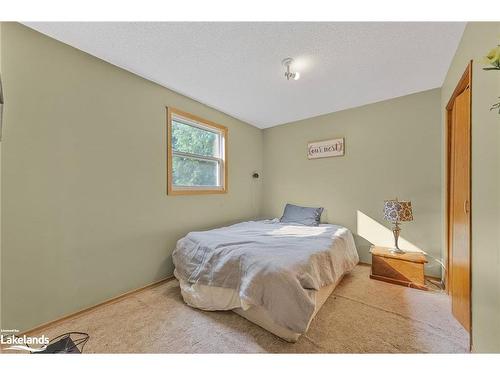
(478, 39)
(1, 192)
(393, 149)
(85, 215)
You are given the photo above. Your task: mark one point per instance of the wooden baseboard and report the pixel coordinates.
(110, 301)
(408, 284)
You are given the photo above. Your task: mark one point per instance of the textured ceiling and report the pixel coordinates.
(236, 67)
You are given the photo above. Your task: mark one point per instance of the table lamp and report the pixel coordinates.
(397, 211)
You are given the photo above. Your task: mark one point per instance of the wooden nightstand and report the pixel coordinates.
(404, 269)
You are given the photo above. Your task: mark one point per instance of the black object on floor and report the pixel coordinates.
(67, 343)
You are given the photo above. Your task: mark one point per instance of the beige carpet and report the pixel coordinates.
(362, 316)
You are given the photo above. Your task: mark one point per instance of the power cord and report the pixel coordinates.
(442, 283)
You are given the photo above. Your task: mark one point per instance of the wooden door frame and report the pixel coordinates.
(465, 81)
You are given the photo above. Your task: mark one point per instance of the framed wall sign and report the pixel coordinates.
(325, 149)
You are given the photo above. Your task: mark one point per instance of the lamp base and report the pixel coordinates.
(395, 250)
(396, 230)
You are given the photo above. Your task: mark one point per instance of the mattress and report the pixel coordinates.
(213, 298)
(275, 275)
(260, 316)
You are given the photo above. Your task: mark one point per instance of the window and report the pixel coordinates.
(196, 155)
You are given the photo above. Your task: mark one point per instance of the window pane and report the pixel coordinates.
(186, 138)
(193, 172)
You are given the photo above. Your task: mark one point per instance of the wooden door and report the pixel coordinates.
(459, 206)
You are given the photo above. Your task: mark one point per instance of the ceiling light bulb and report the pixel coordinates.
(288, 73)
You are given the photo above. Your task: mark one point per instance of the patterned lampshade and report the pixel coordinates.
(396, 211)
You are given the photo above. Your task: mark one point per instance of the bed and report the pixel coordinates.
(277, 275)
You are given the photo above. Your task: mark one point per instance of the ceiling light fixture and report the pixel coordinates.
(289, 74)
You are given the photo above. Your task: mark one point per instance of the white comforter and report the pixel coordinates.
(269, 264)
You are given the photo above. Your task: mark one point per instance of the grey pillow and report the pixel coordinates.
(301, 215)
